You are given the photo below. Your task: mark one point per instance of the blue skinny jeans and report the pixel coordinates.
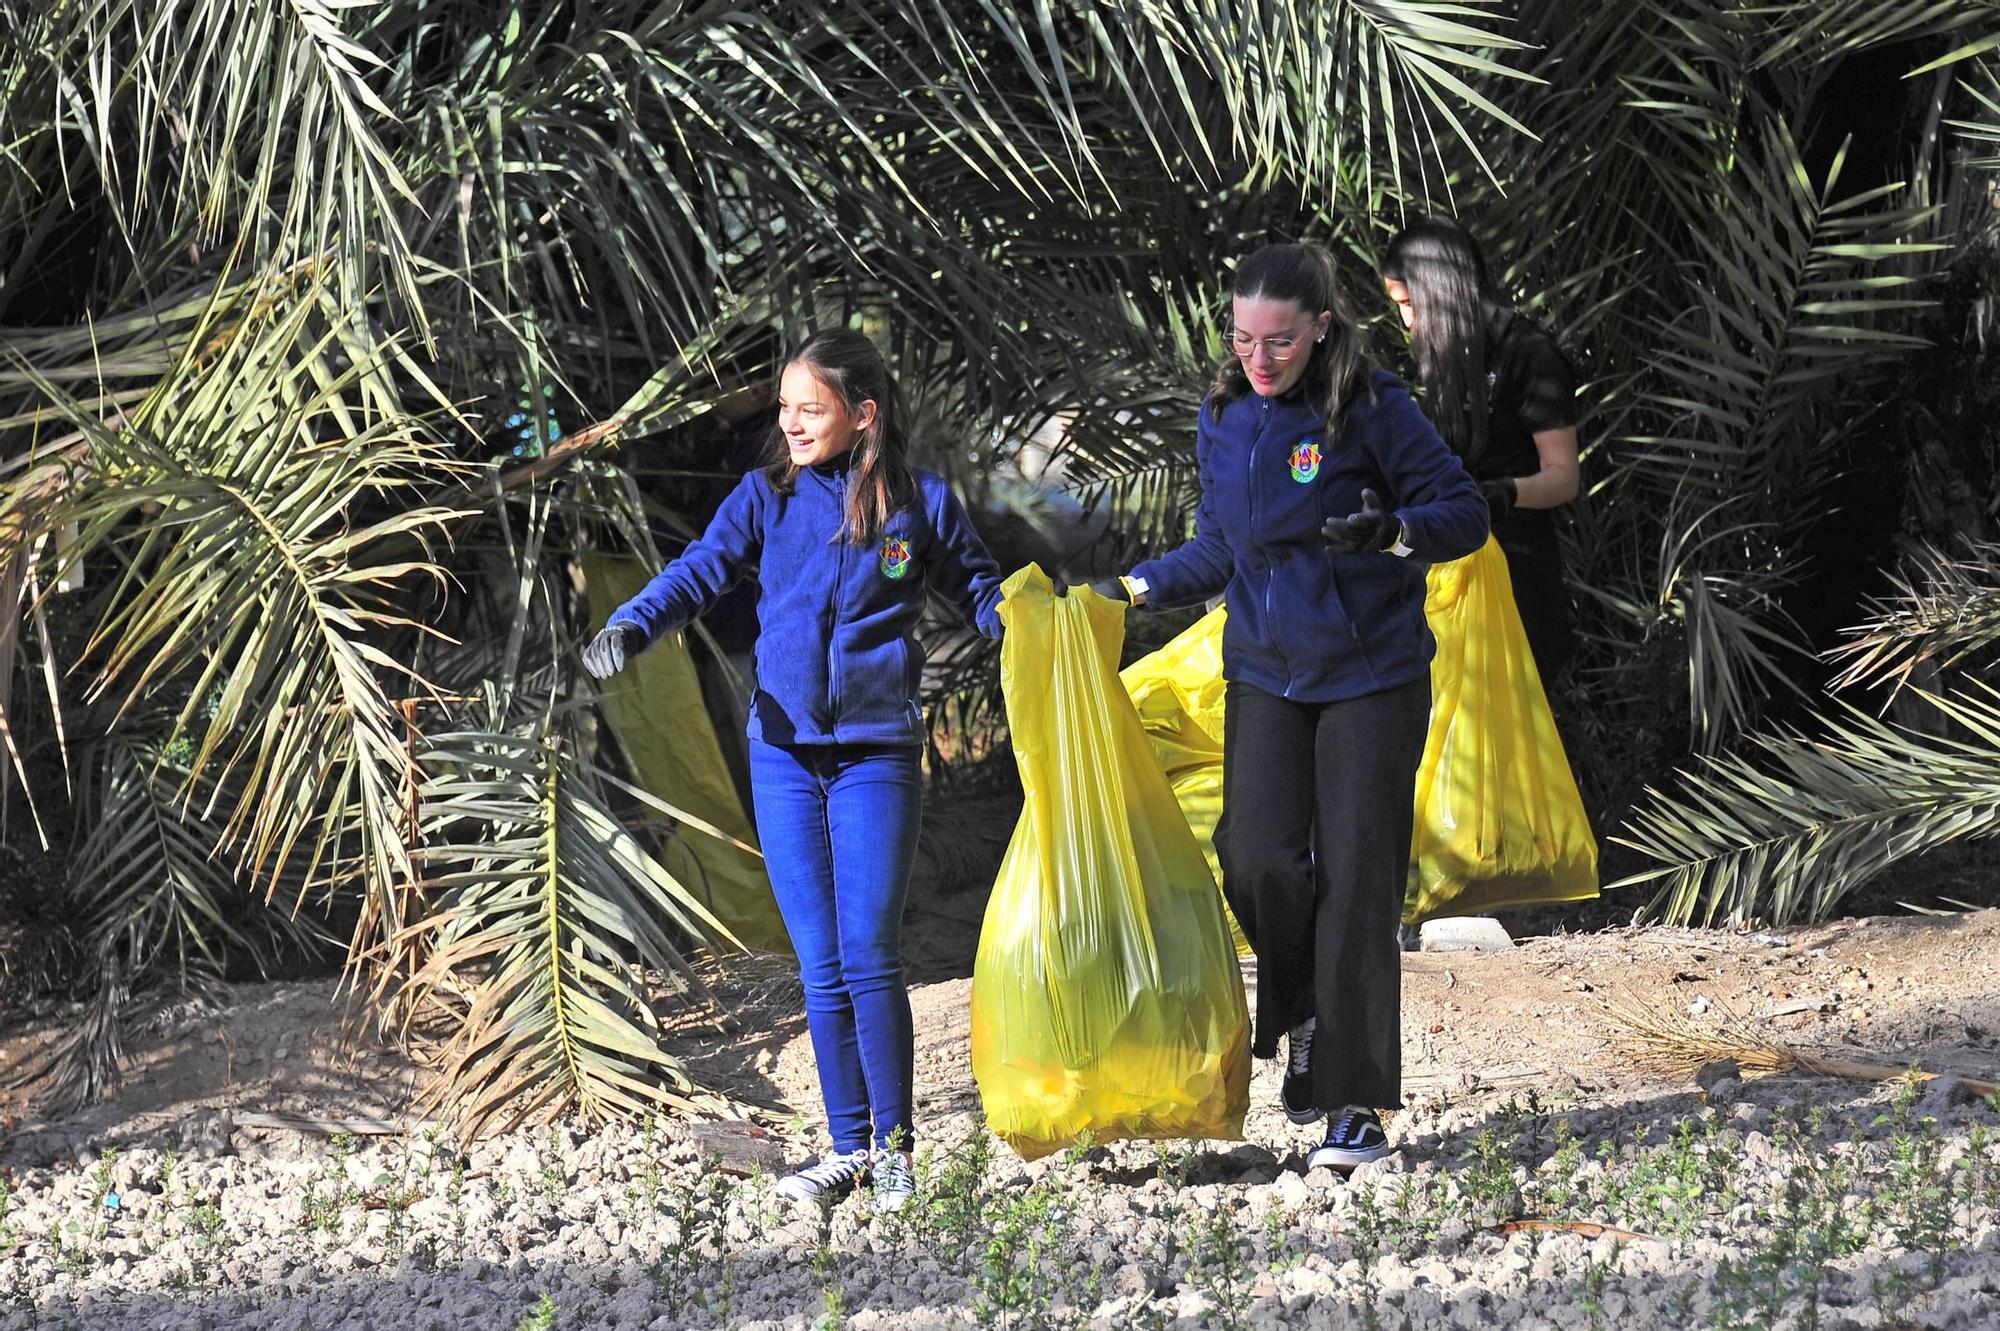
(838, 823)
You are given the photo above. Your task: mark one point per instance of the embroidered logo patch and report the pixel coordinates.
(1305, 461)
(895, 556)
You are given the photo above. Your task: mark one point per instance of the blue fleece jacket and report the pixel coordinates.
(1304, 622)
(837, 655)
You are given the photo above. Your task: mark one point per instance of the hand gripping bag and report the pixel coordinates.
(1105, 995)
(1499, 822)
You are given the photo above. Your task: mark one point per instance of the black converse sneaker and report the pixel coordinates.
(1297, 1092)
(829, 1180)
(1353, 1137)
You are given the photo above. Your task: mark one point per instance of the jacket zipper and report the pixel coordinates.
(833, 625)
(1250, 489)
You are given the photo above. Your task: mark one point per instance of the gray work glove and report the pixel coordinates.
(610, 649)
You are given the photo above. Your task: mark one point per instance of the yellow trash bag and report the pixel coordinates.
(1178, 692)
(1499, 822)
(654, 705)
(1105, 997)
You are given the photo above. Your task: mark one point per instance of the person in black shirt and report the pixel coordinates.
(1503, 396)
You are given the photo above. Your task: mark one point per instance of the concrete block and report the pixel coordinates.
(1472, 933)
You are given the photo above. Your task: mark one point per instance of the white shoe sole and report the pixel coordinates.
(1342, 1159)
(798, 1191)
(1302, 1115)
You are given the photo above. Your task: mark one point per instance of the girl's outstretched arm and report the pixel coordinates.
(1200, 567)
(731, 547)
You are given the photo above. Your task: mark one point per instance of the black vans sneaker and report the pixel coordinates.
(1354, 1137)
(1297, 1092)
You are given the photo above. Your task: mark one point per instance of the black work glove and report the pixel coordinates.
(1373, 528)
(608, 651)
(1500, 492)
(1111, 589)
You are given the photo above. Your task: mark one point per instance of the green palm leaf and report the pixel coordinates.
(550, 917)
(159, 911)
(1942, 612)
(1796, 824)
(261, 549)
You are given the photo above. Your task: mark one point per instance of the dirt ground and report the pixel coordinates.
(1895, 990)
(255, 1090)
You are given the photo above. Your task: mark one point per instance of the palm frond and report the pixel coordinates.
(160, 912)
(1981, 82)
(261, 551)
(1786, 831)
(1942, 611)
(550, 917)
(292, 157)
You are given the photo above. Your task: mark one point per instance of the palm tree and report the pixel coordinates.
(338, 332)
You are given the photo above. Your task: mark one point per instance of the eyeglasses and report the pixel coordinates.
(1245, 346)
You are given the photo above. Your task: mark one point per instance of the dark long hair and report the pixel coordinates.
(880, 482)
(1303, 274)
(1451, 302)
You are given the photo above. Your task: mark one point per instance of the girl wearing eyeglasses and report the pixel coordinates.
(1503, 397)
(846, 541)
(1325, 492)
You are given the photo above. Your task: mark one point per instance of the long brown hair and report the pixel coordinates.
(880, 482)
(1450, 304)
(1303, 274)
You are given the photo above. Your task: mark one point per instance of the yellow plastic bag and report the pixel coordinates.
(1178, 692)
(1105, 996)
(655, 707)
(1499, 822)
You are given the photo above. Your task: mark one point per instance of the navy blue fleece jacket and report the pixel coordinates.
(1304, 622)
(838, 660)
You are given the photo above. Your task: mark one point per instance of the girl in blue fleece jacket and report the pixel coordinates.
(1325, 492)
(845, 539)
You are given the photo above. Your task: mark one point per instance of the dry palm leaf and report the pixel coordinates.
(1670, 1041)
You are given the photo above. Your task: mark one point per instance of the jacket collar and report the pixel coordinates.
(833, 472)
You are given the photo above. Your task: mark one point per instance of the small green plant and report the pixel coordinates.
(1024, 1264)
(1279, 1253)
(1173, 1163)
(552, 1176)
(1558, 1188)
(454, 1198)
(699, 1213)
(1218, 1266)
(1591, 1298)
(1366, 1234)
(328, 1193)
(833, 1299)
(1918, 1198)
(205, 1221)
(947, 1210)
(541, 1317)
(1815, 1222)
(1488, 1178)
(78, 1240)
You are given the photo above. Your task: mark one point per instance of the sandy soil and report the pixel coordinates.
(1484, 1035)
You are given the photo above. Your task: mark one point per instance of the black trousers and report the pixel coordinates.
(1535, 568)
(1314, 840)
